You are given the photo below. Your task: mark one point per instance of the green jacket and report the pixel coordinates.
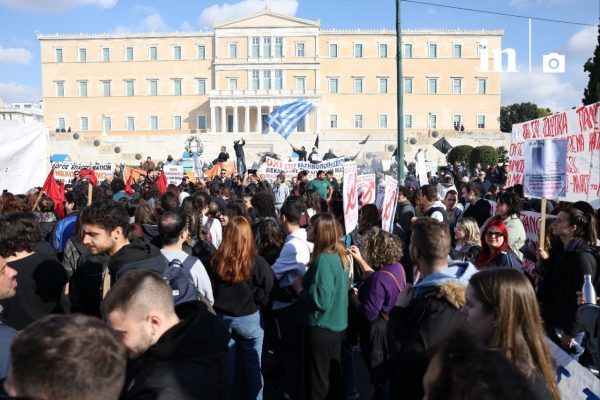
(325, 294)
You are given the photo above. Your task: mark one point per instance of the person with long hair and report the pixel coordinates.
(563, 275)
(385, 279)
(468, 240)
(323, 293)
(502, 311)
(242, 281)
(495, 251)
(509, 210)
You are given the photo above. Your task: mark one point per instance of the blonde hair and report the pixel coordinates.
(473, 236)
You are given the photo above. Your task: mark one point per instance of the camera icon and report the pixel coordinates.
(553, 63)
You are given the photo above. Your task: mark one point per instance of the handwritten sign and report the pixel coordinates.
(366, 189)
(173, 173)
(350, 196)
(389, 204)
(579, 127)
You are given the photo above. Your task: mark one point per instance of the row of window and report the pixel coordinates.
(130, 122)
(129, 55)
(267, 80)
(130, 87)
(266, 47)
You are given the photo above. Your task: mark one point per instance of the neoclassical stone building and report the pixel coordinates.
(227, 80)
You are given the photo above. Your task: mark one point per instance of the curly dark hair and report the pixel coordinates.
(77, 196)
(263, 203)
(107, 214)
(9, 203)
(19, 231)
(382, 248)
(117, 185)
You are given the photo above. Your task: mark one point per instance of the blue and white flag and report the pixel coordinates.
(286, 117)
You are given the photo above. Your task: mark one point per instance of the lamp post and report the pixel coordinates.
(399, 98)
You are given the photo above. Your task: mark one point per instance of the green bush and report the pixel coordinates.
(459, 153)
(484, 155)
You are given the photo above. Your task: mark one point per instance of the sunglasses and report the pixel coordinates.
(493, 234)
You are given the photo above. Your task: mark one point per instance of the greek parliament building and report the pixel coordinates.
(228, 80)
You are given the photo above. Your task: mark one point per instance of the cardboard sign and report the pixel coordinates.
(574, 381)
(173, 173)
(380, 196)
(579, 127)
(389, 204)
(350, 196)
(272, 167)
(545, 168)
(65, 170)
(366, 189)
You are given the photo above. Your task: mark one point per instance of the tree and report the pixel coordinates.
(484, 155)
(502, 155)
(520, 112)
(591, 94)
(459, 153)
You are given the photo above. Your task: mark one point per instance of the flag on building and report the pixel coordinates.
(286, 117)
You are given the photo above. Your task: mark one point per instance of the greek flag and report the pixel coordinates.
(285, 118)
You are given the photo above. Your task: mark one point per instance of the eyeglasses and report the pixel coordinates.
(493, 234)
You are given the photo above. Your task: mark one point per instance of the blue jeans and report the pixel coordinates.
(245, 344)
(241, 165)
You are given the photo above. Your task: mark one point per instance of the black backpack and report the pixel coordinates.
(178, 275)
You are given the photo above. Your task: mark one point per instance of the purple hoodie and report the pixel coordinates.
(379, 292)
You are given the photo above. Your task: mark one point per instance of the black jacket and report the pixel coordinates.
(239, 148)
(467, 252)
(187, 362)
(134, 251)
(481, 211)
(562, 277)
(430, 318)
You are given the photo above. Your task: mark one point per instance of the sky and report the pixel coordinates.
(20, 71)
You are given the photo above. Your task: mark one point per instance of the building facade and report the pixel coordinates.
(227, 80)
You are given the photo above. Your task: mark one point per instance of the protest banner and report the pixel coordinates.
(23, 155)
(574, 381)
(579, 127)
(64, 170)
(389, 204)
(366, 189)
(532, 223)
(545, 168)
(174, 173)
(380, 196)
(350, 202)
(272, 167)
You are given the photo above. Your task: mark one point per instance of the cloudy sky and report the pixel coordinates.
(21, 19)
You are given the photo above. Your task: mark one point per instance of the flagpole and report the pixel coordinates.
(400, 98)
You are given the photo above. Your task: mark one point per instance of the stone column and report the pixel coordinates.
(213, 119)
(247, 119)
(307, 123)
(270, 130)
(258, 119)
(317, 119)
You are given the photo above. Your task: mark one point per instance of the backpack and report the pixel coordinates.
(178, 276)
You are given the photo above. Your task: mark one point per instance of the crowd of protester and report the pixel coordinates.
(239, 287)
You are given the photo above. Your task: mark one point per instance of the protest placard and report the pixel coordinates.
(380, 196)
(574, 381)
(366, 189)
(65, 170)
(350, 196)
(545, 168)
(579, 127)
(173, 173)
(272, 167)
(389, 204)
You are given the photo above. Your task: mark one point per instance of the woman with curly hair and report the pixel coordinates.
(242, 281)
(385, 278)
(502, 311)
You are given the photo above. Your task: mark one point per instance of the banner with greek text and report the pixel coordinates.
(350, 196)
(64, 170)
(366, 189)
(272, 167)
(580, 128)
(173, 173)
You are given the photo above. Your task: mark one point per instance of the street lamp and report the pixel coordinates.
(399, 98)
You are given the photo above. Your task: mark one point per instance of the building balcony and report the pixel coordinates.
(265, 93)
